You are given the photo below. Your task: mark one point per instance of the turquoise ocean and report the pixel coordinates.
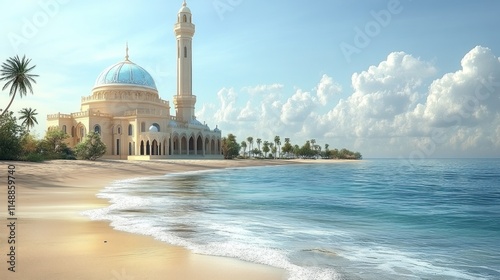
(369, 219)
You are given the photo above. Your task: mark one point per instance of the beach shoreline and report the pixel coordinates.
(54, 241)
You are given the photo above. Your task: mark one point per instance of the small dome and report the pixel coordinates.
(216, 129)
(184, 8)
(125, 73)
(172, 124)
(195, 122)
(153, 128)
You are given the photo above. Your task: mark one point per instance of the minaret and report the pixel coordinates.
(184, 31)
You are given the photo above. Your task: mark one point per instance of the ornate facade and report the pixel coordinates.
(133, 121)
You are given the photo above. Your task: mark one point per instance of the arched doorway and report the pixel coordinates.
(199, 146)
(207, 146)
(154, 148)
(184, 146)
(191, 146)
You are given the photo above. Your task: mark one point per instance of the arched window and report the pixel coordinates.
(97, 129)
(184, 18)
(143, 127)
(130, 130)
(119, 130)
(64, 129)
(73, 131)
(185, 51)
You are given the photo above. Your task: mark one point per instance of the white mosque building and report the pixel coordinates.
(125, 108)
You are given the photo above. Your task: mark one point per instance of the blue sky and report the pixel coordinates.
(409, 79)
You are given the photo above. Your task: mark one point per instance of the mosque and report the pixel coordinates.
(125, 108)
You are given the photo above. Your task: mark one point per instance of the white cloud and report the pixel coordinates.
(227, 109)
(327, 88)
(248, 113)
(395, 109)
(469, 96)
(383, 96)
(263, 89)
(298, 107)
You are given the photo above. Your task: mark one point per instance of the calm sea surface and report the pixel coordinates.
(370, 219)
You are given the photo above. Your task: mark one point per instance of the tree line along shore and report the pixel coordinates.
(276, 150)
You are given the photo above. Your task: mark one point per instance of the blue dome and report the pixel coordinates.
(195, 122)
(173, 124)
(153, 129)
(125, 73)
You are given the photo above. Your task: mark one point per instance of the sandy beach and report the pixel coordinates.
(54, 241)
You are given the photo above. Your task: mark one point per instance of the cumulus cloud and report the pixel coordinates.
(391, 88)
(227, 108)
(263, 89)
(469, 96)
(248, 113)
(398, 107)
(327, 88)
(301, 105)
(382, 97)
(298, 107)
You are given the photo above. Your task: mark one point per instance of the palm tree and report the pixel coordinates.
(279, 148)
(276, 141)
(258, 143)
(28, 117)
(287, 149)
(313, 146)
(250, 142)
(16, 72)
(265, 149)
(296, 150)
(327, 151)
(313, 141)
(244, 146)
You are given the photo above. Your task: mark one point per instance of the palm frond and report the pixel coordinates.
(15, 72)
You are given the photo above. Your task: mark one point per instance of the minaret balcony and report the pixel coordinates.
(186, 100)
(184, 28)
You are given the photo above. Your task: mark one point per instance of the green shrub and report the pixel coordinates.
(33, 157)
(91, 148)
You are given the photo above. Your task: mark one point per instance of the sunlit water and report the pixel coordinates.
(370, 219)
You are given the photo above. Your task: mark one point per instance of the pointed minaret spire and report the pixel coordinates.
(126, 52)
